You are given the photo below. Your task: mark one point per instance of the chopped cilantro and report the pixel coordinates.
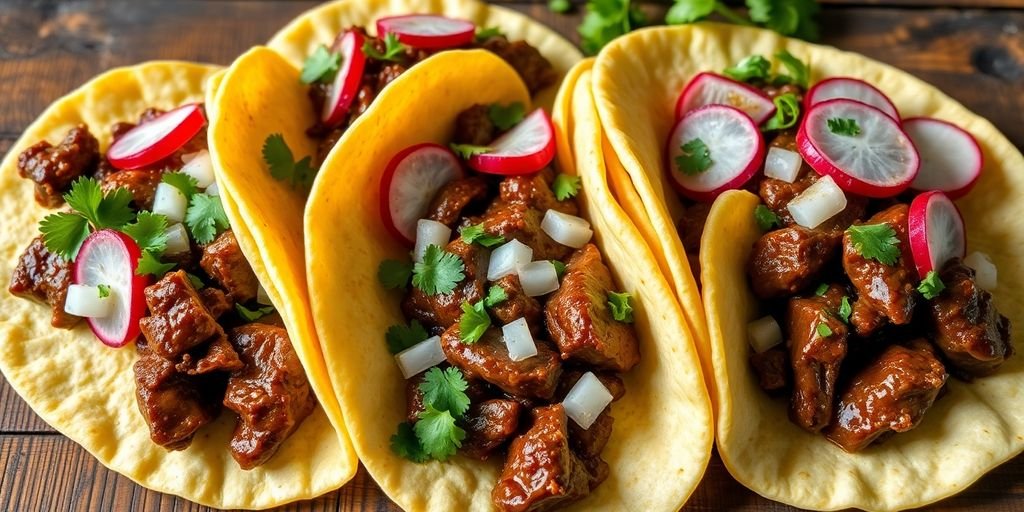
(754, 67)
(438, 434)
(187, 185)
(405, 444)
(607, 19)
(321, 66)
(799, 74)
(507, 116)
(102, 210)
(619, 303)
(476, 234)
(495, 295)
(149, 231)
(788, 17)
(282, 164)
(401, 337)
(439, 271)
(205, 218)
(822, 290)
(393, 49)
(766, 219)
(394, 274)
(445, 390)
(150, 263)
(197, 283)
(824, 330)
(485, 33)
(787, 112)
(845, 310)
(474, 322)
(465, 151)
(565, 186)
(843, 126)
(931, 286)
(559, 6)
(559, 268)
(251, 315)
(104, 290)
(876, 242)
(63, 233)
(695, 159)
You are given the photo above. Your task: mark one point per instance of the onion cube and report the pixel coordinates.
(213, 190)
(170, 202)
(84, 300)
(820, 202)
(430, 232)
(538, 278)
(177, 240)
(262, 297)
(519, 340)
(783, 164)
(420, 357)
(201, 168)
(985, 272)
(566, 229)
(586, 400)
(507, 259)
(764, 333)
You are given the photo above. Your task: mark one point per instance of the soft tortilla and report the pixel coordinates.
(87, 390)
(968, 432)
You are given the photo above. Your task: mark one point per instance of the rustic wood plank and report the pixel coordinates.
(15, 414)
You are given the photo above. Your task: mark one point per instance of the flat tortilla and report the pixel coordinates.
(87, 390)
(974, 428)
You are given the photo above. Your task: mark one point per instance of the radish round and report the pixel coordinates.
(525, 149)
(410, 182)
(711, 89)
(851, 89)
(157, 139)
(880, 161)
(428, 31)
(346, 83)
(109, 257)
(951, 159)
(735, 145)
(937, 232)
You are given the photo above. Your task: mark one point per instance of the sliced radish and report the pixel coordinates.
(410, 183)
(880, 161)
(428, 31)
(347, 81)
(566, 229)
(429, 232)
(110, 258)
(951, 158)
(150, 142)
(937, 232)
(734, 143)
(525, 149)
(985, 272)
(820, 202)
(851, 89)
(711, 89)
(783, 164)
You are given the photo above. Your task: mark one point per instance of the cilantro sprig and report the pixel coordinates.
(476, 234)
(206, 218)
(320, 66)
(92, 209)
(845, 310)
(394, 274)
(823, 330)
(485, 33)
(393, 49)
(622, 309)
(252, 315)
(495, 295)
(439, 271)
(505, 117)
(607, 19)
(565, 186)
(787, 113)
(400, 337)
(436, 434)
(843, 126)
(467, 151)
(765, 218)
(149, 263)
(695, 158)
(282, 165)
(788, 17)
(931, 286)
(876, 242)
(474, 322)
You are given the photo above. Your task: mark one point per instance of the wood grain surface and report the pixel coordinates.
(972, 49)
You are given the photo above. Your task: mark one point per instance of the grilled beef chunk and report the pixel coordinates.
(44, 277)
(772, 368)
(691, 225)
(474, 126)
(816, 354)
(216, 356)
(790, 260)
(589, 443)
(972, 335)
(488, 359)
(224, 262)
(489, 425)
(889, 395)
(517, 304)
(444, 309)
(216, 301)
(454, 197)
(518, 221)
(174, 405)
(53, 168)
(612, 382)
(580, 321)
(534, 190)
(889, 290)
(271, 394)
(178, 318)
(414, 397)
(140, 183)
(536, 72)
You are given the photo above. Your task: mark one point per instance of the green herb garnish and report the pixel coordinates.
(466, 151)
(799, 74)
(394, 274)
(843, 126)
(559, 6)
(559, 268)
(393, 49)
(619, 303)
(474, 322)
(437, 433)
(205, 218)
(931, 286)
(103, 290)
(321, 66)
(607, 19)
(476, 234)
(483, 34)
(824, 330)
(283, 167)
(149, 263)
(845, 310)
(695, 158)
(505, 117)
(64, 232)
(822, 290)
(876, 242)
(251, 315)
(445, 390)
(400, 336)
(787, 113)
(149, 231)
(439, 271)
(187, 185)
(787, 17)
(495, 295)
(766, 219)
(565, 186)
(754, 67)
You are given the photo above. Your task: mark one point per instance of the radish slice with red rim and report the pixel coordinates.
(735, 148)
(711, 89)
(410, 183)
(346, 83)
(936, 230)
(879, 160)
(951, 159)
(110, 258)
(428, 31)
(851, 89)
(525, 149)
(150, 142)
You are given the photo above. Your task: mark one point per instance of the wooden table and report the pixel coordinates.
(974, 51)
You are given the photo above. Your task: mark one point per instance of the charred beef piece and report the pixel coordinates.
(140, 183)
(589, 443)
(612, 382)
(972, 335)
(534, 190)
(444, 309)
(44, 277)
(772, 368)
(271, 394)
(531, 66)
(217, 356)
(53, 168)
(790, 260)
(691, 225)
(174, 405)
(454, 197)
(179, 320)
(224, 262)
(414, 397)
(889, 395)
(474, 126)
(541, 472)
(517, 304)
(580, 321)
(518, 221)
(488, 359)
(489, 425)
(216, 301)
(815, 356)
(888, 290)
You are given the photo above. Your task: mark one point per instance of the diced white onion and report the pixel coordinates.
(985, 272)
(820, 202)
(430, 232)
(201, 168)
(177, 240)
(420, 357)
(170, 202)
(84, 300)
(764, 333)
(538, 278)
(782, 164)
(566, 229)
(187, 157)
(213, 190)
(519, 340)
(507, 259)
(262, 297)
(586, 400)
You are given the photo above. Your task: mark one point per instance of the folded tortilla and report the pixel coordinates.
(86, 390)
(972, 429)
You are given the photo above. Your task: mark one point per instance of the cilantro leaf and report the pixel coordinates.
(822, 290)
(754, 67)
(445, 390)
(186, 184)
(876, 242)
(559, 268)
(799, 74)
(559, 6)
(465, 151)
(843, 126)
(438, 434)
(766, 219)
(483, 34)
(282, 165)
(619, 303)
(197, 283)
(104, 290)
(63, 233)
(401, 336)
(474, 322)
(205, 218)
(476, 234)
(787, 17)
(110, 210)
(439, 271)
(495, 295)
(507, 116)
(607, 19)
(393, 49)
(405, 444)
(695, 159)
(251, 315)
(149, 231)
(321, 66)
(787, 112)
(845, 310)
(824, 330)
(394, 274)
(150, 263)
(931, 286)
(689, 11)
(565, 186)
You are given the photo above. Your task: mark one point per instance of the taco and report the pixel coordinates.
(453, 395)
(836, 279)
(139, 321)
